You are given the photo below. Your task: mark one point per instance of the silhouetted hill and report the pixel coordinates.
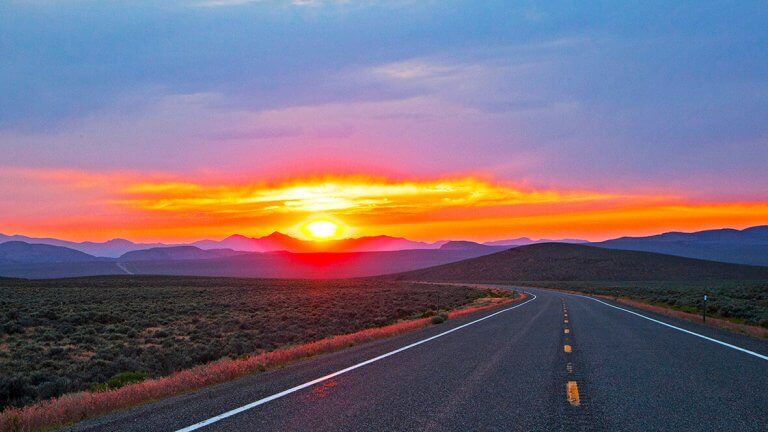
(468, 245)
(524, 241)
(177, 253)
(17, 252)
(283, 265)
(111, 248)
(748, 246)
(24, 260)
(569, 262)
(287, 265)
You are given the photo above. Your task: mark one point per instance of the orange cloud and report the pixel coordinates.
(342, 195)
(83, 205)
(596, 223)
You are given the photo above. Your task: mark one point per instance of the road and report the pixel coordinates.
(123, 268)
(557, 362)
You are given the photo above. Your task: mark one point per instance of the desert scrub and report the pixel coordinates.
(68, 335)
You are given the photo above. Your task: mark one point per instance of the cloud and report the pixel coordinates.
(415, 69)
(98, 205)
(228, 3)
(224, 3)
(343, 195)
(494, 82)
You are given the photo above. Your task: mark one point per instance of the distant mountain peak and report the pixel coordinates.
(279, 235)
(118, 241)
(237, 237)
(523, 241)
(380, 236)
(465, 245)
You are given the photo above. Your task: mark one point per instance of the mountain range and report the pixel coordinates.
(271, 243)
(281, 242)
(536, 262)
(747, 246)
(110, 248)
(281, 256)
(36, 261)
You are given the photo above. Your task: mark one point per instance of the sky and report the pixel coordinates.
(189, 119)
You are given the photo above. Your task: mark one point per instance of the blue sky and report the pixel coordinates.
(637, 96)
(663, 83)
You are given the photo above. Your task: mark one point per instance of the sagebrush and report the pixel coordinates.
(61, 336)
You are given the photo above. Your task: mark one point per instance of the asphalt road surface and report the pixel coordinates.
(556, 362)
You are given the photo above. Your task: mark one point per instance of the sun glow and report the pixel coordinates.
(321, 229)
(157, 206)
(352, 194)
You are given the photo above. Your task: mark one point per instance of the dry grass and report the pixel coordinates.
(484, 304)
(80, 406)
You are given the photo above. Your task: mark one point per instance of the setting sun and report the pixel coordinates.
(321, 229)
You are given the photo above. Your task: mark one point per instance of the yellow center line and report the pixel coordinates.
(571, 388)
(572, 391)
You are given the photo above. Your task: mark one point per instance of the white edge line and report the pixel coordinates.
(737, 348)
(337, 373)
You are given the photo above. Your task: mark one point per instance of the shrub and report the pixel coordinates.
(439, 319)
(120, 380)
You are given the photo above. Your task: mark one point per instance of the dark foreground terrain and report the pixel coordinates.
(59, 336)
(509, 372)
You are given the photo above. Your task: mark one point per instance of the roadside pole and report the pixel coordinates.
(704, 311)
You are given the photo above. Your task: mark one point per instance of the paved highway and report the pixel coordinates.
(556, 362)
